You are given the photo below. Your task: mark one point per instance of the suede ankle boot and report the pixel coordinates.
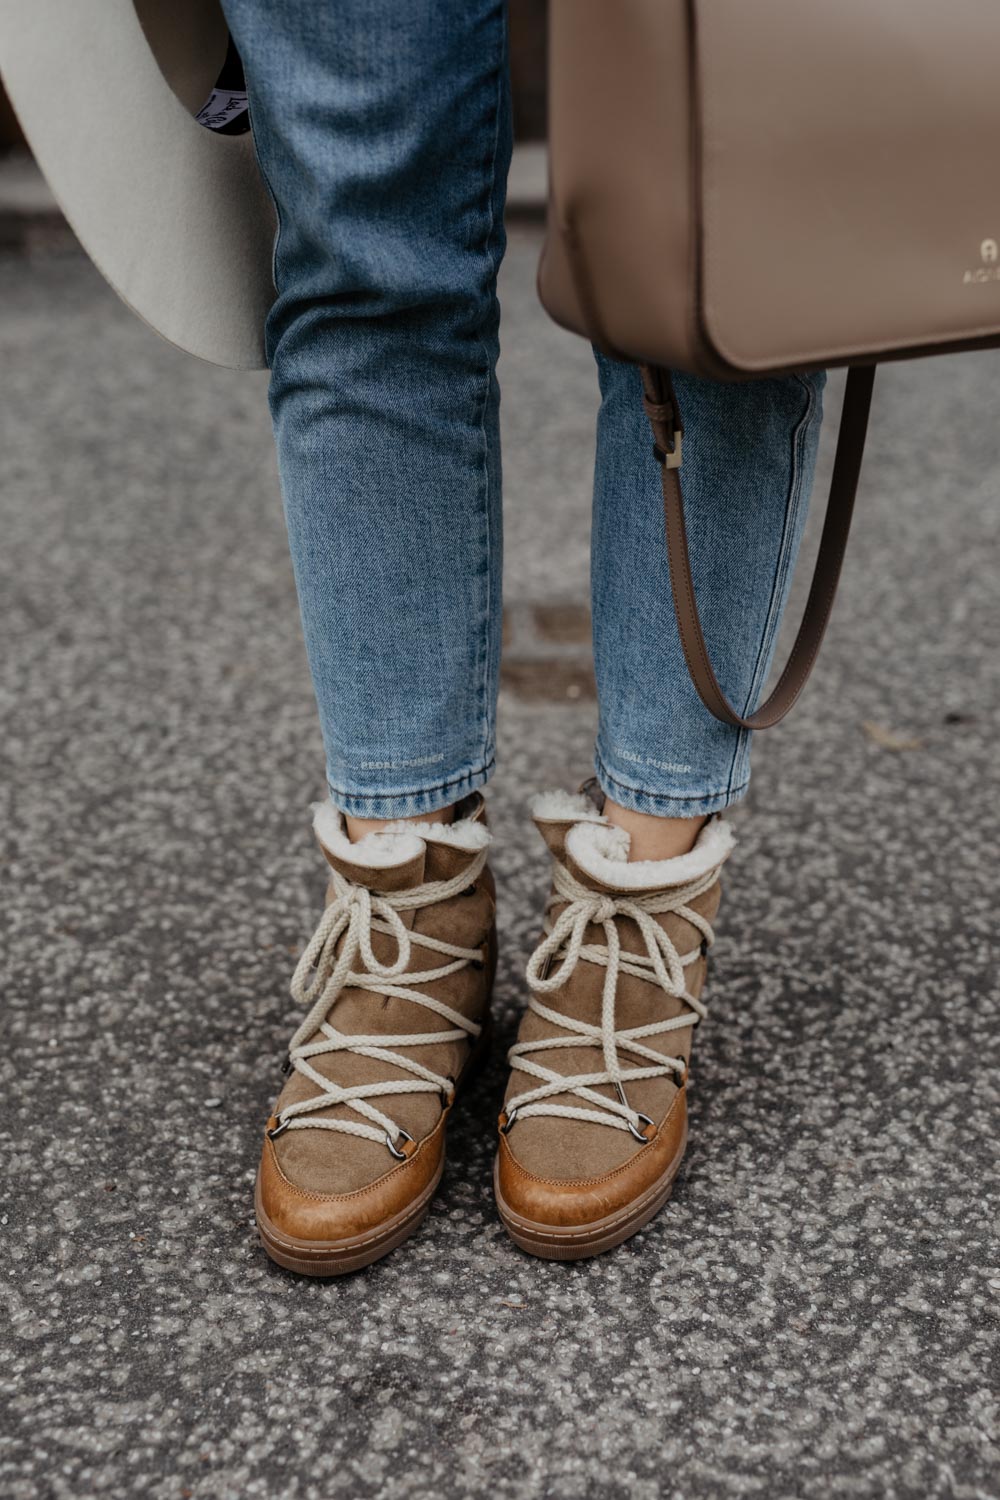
(594, 1123)
(396, 986)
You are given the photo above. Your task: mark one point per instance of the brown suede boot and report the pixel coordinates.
(397, 982)
(594, 1123)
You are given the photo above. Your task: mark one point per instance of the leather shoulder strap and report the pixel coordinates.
(664, 415)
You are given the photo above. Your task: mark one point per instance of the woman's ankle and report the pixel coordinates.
(357, 828)
(651, 837)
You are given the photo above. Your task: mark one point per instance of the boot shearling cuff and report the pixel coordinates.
(565, 807)
(397, 843)
(602, 852)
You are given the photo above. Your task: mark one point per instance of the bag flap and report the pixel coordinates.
(849, 173)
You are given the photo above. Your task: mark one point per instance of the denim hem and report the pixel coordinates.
(666, 804)
(414, 801)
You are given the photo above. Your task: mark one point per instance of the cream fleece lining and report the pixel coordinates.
(602, 852)
(565, 807)
(397, 843)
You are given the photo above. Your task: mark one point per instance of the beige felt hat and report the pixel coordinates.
(151, 163)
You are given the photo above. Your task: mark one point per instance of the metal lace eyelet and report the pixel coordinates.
(639, 1134)
(286, 1066)
(507, 1119)
(402, 1135)
(277, 1130)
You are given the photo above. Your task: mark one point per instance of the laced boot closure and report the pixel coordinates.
(330, 964)
(395, 986)
(660, 964)
(594, 1120)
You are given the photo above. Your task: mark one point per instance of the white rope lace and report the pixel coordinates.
(661, 963)
(322, 973)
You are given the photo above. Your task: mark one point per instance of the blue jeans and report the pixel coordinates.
(384, 133)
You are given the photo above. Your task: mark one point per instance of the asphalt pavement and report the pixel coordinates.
(816, 1311)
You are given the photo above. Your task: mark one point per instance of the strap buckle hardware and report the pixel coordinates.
(670, 458)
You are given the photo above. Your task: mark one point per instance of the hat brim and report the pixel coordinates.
(176, 217)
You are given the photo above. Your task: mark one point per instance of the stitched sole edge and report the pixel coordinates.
(339, 1257)
(580, 1241)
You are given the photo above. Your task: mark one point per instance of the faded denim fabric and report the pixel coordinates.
(384, 134)
(749, 459)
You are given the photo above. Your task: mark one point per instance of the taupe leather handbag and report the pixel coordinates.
(747, 188)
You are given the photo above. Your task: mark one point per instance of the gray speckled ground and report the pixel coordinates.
(815, 1313)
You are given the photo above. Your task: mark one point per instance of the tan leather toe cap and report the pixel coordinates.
(564, 1203)
(310, 1216)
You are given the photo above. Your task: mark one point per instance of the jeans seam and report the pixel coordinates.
(486, 667)
(277, 212)
(773, 618)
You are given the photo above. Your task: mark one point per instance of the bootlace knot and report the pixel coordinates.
(352, 915)
(604, 909)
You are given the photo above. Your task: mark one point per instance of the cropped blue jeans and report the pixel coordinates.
(384, 133)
